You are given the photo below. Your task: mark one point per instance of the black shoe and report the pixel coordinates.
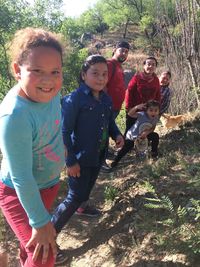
(114, 164)
(111, 168)
(105, 168)
(110, 155)
(61, 257)
(154, 155)
(141, 155)
(88, 211)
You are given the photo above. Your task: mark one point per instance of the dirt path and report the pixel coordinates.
(82, 236)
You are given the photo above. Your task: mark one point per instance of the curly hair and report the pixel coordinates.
(28, 38)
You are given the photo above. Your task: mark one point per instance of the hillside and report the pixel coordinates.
(128, 233)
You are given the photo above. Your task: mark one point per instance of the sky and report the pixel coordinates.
(73, 8)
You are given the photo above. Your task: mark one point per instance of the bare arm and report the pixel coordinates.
(133, 111)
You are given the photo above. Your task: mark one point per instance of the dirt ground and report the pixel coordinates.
(97, 241)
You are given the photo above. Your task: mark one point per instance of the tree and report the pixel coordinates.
(93, 20)
(180, 37)
(15, 15)
(118, 13)
(11, 19)
(47, 14)
(72, 30)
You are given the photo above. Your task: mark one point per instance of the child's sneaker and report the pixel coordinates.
(61, 257)
(110, 155)
(88, 211)
(141, 155)
(105, 168)
(154, 155)
(113, 165)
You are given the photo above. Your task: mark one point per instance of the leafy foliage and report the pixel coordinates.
(160, 203)
(72, 69)
(72, 30)
(165, 29)
(110, 193)
(178, 220)
(16, 15)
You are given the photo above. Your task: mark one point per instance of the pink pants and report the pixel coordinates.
(18, 220)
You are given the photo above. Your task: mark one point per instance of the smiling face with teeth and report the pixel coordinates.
(40, 76)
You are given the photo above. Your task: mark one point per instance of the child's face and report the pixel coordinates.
(40, 76)
(150, 66)
(121, 54)
(164, 79)
(96, 77)
(153, 112)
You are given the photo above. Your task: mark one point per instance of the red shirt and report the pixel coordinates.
(141, 89)
(116, 85)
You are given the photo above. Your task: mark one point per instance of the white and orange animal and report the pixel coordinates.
(170, 121)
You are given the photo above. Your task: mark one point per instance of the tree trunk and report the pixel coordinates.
(194, 79)
(126, 28)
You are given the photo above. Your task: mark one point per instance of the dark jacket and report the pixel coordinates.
(84, 118)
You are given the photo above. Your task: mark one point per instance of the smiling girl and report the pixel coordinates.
(31, 144)
(88, 122)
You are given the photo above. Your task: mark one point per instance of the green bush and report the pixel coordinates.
(72, 69)
(110, 193)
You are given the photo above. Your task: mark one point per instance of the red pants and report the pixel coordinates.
(18, 220)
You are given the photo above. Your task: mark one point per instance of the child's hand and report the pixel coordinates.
(133, 111)
(141, 106)
(43, 238)
(143, 135)
(74, 170)
(119, 141)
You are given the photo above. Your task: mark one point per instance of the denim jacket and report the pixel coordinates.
(84, 118)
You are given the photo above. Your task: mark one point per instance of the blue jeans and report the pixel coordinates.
(79, 191)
